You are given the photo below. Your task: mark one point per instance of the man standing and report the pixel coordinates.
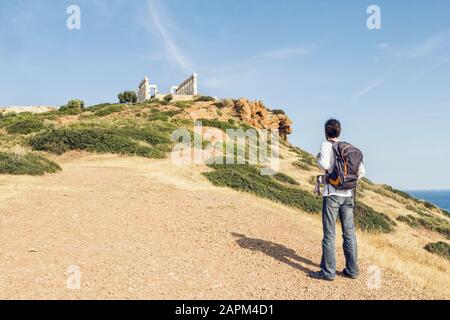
(343, 167)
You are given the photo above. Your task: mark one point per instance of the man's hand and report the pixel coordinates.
(318, 156)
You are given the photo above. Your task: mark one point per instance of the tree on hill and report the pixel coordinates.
(75, 104)
(127, 97)
(72, 107)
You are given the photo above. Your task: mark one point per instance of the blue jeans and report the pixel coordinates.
(332, 207)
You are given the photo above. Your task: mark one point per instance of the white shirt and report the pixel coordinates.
(325, 160)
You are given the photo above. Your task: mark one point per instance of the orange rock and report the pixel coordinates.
(257, 115)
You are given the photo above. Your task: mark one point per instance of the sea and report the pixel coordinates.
(440, 198)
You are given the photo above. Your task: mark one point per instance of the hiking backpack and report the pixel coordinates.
(347, 159)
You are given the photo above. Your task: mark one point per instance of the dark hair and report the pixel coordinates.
(333, 128)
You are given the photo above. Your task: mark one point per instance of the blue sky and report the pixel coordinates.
(315, 59)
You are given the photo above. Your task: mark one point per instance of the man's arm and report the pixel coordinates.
(324, 157)
(361, 171)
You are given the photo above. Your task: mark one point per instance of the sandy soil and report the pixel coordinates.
(139, 228)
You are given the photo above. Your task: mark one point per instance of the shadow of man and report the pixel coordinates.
(276, 251)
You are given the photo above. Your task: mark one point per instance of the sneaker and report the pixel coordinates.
(348, 275)
(319, 275)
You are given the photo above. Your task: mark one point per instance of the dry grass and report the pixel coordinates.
(403, 253)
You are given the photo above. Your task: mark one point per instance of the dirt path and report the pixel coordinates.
(144, 229)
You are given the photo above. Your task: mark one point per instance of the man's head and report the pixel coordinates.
(332, 129)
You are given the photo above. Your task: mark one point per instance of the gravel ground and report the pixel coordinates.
(140, 229)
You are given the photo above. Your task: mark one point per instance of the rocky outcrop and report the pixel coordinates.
(256, 114)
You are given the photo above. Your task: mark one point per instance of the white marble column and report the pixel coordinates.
(194, 84)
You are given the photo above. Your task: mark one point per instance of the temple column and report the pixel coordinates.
(194, 84)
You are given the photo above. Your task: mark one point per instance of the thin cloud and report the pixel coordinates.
(286, 53)
(174, 53)
(247, 69)
(430, 45)
(367, 89)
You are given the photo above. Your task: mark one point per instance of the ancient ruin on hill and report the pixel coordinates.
(186, 90)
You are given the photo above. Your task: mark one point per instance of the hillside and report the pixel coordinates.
(95, 188)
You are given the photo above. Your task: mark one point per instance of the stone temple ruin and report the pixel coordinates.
(184, 91)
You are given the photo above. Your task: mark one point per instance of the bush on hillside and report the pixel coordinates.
(146, 142)
(440, 248)
(248, 178)
(219, 104)
(168, 98)
(127, 97)
(27, 164)
(278, 111)
(73, 107)
(224, 103)
(99, 106)
(216, 124)
(398, 192)
(75, 103)
(285, 178)
(26, 126)
(429, 205)
(183, 104)
(301, 165)
(163, 115)
(204, 99)
(369, 220)
(105, 111)
(20, 121)
(428, 222)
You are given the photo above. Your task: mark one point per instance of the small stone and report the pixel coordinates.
(32, 250)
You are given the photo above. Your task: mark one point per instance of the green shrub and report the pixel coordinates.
(73, 107)
(301, 165)
(399, 192)
(76, 104)
(145, 142)
(69, 111)
(216, 124)
(245, 126)
(109, 110)
(163, 115)
(26, 126)
(204, 99)
(429, 205)
(183, 104)
(154, 100)
(440, 248)
(304, 156)
(49, 115)
(428, 222)
(127, 97)
(98, 106)
(369, 220)
(285, 178)
(249, 179)
(6, 118)
(28, 164)
(168, 98)
(278, 111)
